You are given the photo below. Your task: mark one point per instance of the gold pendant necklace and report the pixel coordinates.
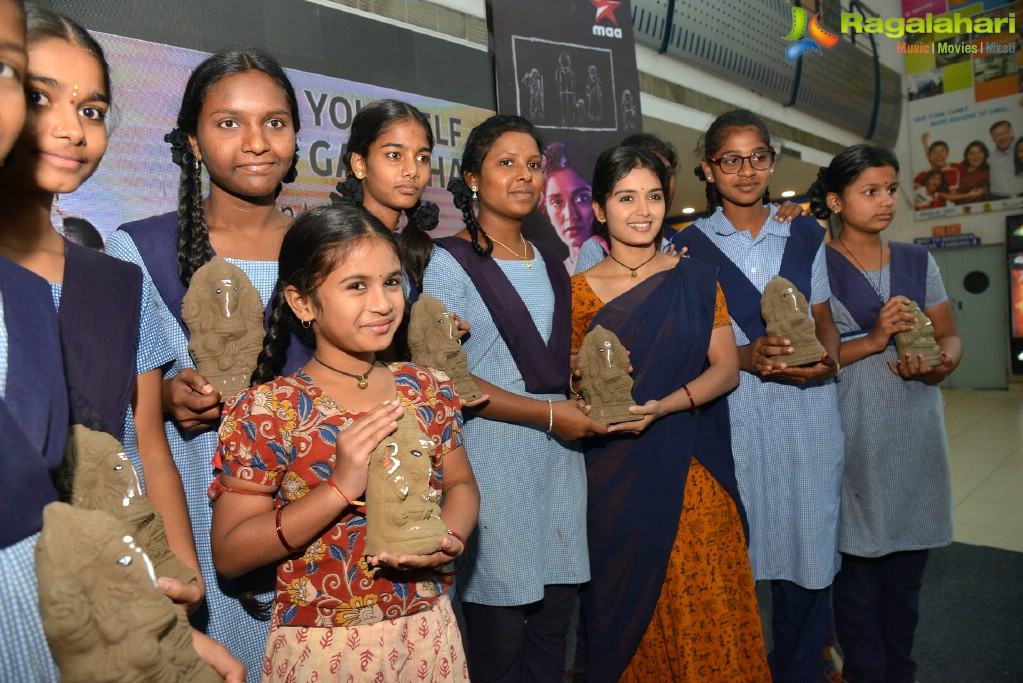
(525, 249)
(363, 379)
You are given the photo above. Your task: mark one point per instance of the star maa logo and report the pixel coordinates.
(606, 10)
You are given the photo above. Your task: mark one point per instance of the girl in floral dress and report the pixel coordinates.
(290, 480)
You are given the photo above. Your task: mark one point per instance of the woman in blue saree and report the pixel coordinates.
(671, 595)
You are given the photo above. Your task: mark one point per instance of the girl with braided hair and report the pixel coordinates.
(529, 552)
(387, 163)
(239, 120)
(299, 468)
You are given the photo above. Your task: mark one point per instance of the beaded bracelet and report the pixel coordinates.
(337, 489)
(280, 534)
(692, 403)
(465, 554)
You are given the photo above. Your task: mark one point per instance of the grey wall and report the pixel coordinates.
(304, 36)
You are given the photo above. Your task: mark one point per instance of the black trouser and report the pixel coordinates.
(524, 643)
(877, 607)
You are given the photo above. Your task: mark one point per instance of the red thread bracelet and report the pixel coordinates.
(692, 403)
(280, 533)
(465, 554)
(337, 489)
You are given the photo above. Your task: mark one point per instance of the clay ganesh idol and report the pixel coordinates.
(402, 507)
(224, 315)
(786, 313)
(605, 383)
(433, 341)
(97, 475)
(920, 340)
(104, 617)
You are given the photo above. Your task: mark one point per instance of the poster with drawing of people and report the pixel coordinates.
(966, 111)
(570, 68)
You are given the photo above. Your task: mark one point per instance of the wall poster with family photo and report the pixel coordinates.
(965, 95)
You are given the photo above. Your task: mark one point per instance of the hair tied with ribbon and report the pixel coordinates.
(348, 192)
(461, 193)
(181, 147)
(427, 216)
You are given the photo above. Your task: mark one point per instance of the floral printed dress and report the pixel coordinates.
(334, 617)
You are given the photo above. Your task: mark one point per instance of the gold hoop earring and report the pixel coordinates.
(307, 324)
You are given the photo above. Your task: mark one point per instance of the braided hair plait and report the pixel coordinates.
(414, 242)
(194, 248)
(462, 197)
(818, 194)
(710, 190)
(270, 363)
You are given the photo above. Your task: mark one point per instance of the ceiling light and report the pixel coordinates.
(689, 209)
(788, 193)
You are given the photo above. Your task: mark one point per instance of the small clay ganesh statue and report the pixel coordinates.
(97, 475)
(919, 340)
(605, 383)
(402, 508)
(787, 315)
(224, 315)
(433, 340)
(104, 617)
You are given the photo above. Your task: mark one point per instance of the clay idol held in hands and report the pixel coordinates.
(104, 617)
(605, 383)
(433, 341)
(97, 475)
(787, 315)
(224, 315)
(919, 341)
(402, 508)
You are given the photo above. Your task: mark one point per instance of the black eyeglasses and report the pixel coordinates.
(732, 163)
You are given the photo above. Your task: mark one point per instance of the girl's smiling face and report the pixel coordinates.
(746, 187)
(246, 134)
(634, 211)
(975, 156)
(510, 177)
(65, 134)
(360, 304)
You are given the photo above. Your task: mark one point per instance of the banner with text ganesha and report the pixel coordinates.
(963, 78)
(137, 178)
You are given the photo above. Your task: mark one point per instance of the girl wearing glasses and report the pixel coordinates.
(786, 443)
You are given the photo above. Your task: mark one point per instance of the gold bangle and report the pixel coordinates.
(550, 417)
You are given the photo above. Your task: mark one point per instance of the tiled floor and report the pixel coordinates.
(985, 437)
